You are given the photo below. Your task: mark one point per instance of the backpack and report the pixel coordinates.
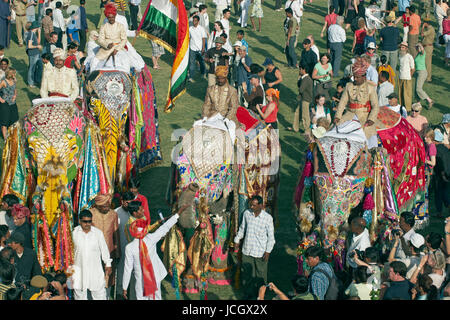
(335, 285)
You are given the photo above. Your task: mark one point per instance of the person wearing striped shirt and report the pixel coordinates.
(258, 233)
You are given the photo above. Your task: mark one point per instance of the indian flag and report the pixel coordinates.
(166, 23)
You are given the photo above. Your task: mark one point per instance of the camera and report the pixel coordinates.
(52, 290)
(396, 232)
(359, 253)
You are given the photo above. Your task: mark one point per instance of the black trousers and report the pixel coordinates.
(60, 34)
(134, 10)
(82, 35)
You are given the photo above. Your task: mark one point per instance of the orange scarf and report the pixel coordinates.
(138, 229)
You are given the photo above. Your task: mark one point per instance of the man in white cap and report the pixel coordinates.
(60, 81)
(371, 52)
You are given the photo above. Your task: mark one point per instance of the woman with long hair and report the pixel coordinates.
(322, 73)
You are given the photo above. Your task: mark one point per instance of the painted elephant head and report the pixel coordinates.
(109, 95)
(55, 139)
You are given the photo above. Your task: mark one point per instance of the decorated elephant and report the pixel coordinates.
(124, 108)
(217, 168)
(341, 174)
(45, 151)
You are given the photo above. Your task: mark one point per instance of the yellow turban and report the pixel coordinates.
(103, 199)
(221, 71)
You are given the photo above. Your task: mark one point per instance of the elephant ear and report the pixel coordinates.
(13, 179)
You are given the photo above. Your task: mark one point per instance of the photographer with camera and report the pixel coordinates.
(371, 261)
(359, 242)
(406, 231)
(416, 245)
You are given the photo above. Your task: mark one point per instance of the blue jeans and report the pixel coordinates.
(336, 56)
(193, 57)
(33, 60)
(291, 57)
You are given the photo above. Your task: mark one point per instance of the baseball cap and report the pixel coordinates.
(219, 40)
(417, 240)
(392, 95)
(39, 281)
(237, 43)
(267, 62)
(253, 76)
(371, 45)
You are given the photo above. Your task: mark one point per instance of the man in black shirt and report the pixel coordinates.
(215, 57)
(25, 260)
(308, 58)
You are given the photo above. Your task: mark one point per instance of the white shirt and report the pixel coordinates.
(400, 254)
(258, 232)
(90, 250)
(7, 221)
(398, 108)
(406, 65)
(297, 9)
(359, 242)
(132, 259)
(336, 33)
(58, 20)
(204, 21)
(226, 26)
(222, 3)
(197, 37)
(384, 89)
(316, 51)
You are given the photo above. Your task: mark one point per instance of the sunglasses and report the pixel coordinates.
(415, 110)
(86, 221)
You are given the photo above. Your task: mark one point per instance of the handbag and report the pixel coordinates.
(327, 84)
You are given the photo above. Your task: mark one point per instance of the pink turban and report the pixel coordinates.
(360, 67)
(110, 8)
(19, 211)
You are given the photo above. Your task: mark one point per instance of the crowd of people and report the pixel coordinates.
(113, 246)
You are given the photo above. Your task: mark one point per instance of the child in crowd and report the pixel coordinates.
(336, 98)
(359, 287)
(319, 111)
(8, 107)
(240, 37)
(384, 66)
(370, 37)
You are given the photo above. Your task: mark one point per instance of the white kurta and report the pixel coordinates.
(90, 249)
(125, 60)
(61, 80)
(132, 261)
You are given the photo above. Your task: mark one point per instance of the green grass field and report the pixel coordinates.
(268, 43)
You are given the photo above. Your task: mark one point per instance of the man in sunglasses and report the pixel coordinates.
(90, 250)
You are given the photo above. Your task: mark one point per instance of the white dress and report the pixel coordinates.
(132, 260)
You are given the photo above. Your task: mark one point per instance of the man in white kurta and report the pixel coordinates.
(90, 250)
(59, 81)
(133, 263)
(112, 40)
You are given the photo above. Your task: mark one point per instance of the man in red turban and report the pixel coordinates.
(112, 39)
(360, 99)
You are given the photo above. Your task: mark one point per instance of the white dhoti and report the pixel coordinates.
(245, 4)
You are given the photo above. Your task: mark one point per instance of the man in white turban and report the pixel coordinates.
(60, 81)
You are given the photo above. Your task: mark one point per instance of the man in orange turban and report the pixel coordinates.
(107, 220)
(222, 97)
